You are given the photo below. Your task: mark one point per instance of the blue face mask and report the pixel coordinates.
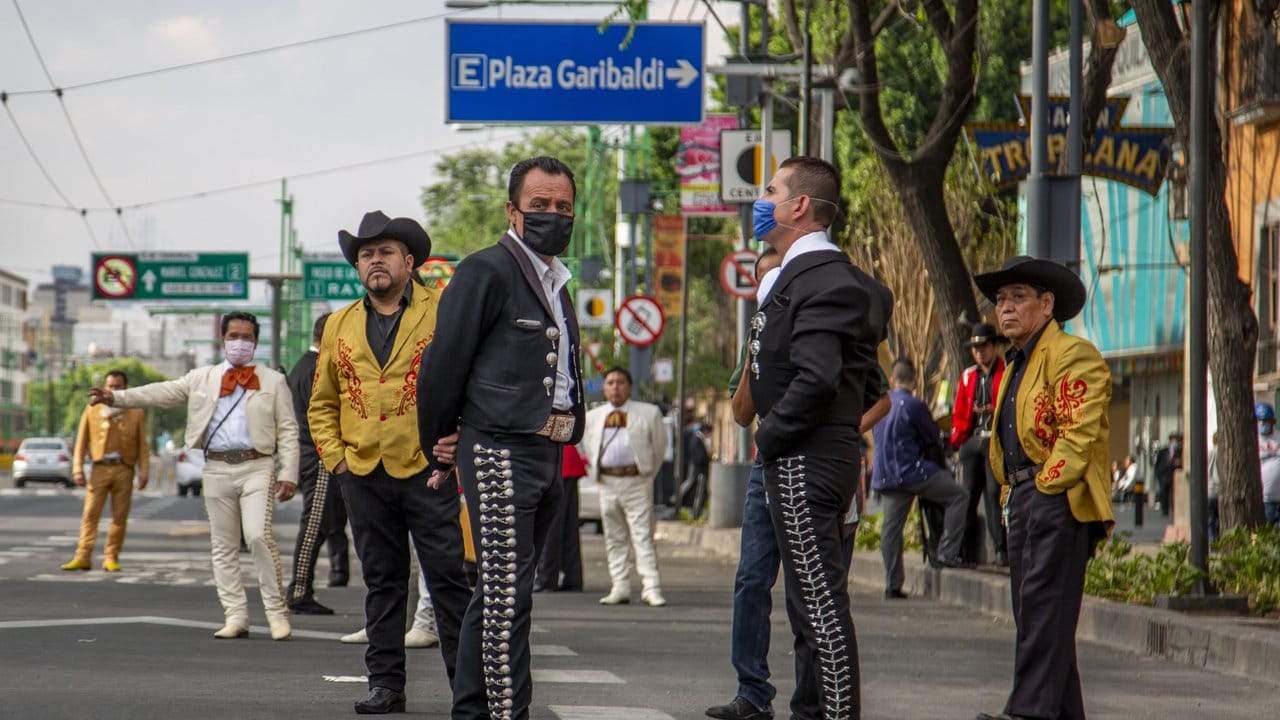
(762, 222)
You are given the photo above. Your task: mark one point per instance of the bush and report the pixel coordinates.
(1247, 562)
(868, 537)
(1118, 573)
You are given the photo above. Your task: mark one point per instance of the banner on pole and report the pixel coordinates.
(668, 261)
(698, 163)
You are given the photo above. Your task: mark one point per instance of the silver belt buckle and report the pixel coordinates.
(561, 428)
(984, 434)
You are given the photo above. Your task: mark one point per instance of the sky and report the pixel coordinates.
(280, 114)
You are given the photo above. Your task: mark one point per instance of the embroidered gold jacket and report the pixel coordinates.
(1063, 405)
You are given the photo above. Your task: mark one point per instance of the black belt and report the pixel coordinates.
(109, 461)
(620, 471)
(234, 457)
(1021, 475)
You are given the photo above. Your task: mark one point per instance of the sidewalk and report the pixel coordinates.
(1245, 646)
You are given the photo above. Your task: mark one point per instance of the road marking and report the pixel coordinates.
(55, 542)
(551, 650)
(586, 677)
(605, 712)
(155, 620)
(346, 678)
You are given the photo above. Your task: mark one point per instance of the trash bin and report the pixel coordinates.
(728, 491)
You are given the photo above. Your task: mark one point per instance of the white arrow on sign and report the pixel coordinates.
(149, 279)
(685, 74)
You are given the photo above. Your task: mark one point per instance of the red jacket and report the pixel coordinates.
(573, 466)
(962, 411)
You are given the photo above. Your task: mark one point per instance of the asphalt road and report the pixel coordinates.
(138, 645)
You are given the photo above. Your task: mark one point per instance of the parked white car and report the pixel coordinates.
(42, 459)
(189, 471)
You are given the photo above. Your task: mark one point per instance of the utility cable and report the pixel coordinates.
(4, 100)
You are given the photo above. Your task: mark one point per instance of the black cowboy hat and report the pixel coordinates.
(1067, 288)
(985, 333)
(377, 226)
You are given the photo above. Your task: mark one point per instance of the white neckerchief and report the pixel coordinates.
(816, 241)
(553, 277)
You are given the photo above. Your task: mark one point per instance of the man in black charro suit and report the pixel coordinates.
(812, 346)
(504, 365)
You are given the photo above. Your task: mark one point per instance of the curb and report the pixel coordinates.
(1244, 646)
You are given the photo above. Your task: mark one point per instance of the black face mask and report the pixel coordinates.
(547, 233)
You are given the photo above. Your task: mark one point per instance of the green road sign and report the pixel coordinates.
(171, 276)
(329, 277)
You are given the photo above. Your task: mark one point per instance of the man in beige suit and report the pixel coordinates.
(624, 443)
(116, 441)
(241, 415)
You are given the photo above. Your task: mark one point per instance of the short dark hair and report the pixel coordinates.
(317, 330)
(120, 374)
(903, 371)
(768, 251)
(618, 369)
(819, 180)
(240, 315)
(545, 163)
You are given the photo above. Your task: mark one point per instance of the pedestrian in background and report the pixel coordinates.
(812, 348)
(505, 365)
(1269, 457)
(1167, 461)
(560, 568)
(324, 516)
(1049, 450)
(971, 437)
(1214, 488)
(624, 443)
(906, 442)
(116, 442)
(241, 415)
(365, 428)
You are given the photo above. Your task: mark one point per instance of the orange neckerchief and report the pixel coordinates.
(243, 376)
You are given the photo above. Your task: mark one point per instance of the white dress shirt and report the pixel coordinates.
(233, 434)
(554, 277)
(816, 241)
(615, 443)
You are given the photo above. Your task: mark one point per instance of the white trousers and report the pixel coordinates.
(626, 512)
(240, 498)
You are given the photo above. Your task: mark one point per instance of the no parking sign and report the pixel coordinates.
(738, 273)
(640, 320)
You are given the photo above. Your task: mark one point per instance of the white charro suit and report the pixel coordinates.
(626, 501)
(238, 498)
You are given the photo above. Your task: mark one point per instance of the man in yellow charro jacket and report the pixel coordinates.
(1049, 454)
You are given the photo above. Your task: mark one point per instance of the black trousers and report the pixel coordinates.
(386, 514)
(562, 552)
(513, 487)
(1048, 551)
(975, 473)
(323, 522)
(807, 497)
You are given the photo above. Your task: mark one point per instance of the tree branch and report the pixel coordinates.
(791, 20)
(940, 20)
(859, 51)
(886, 17)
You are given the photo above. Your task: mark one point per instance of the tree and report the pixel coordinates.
(1233, 327)
(71, 394)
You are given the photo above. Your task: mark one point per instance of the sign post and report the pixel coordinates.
(738, 273)
(170, 276)
(574, 73)
(640, 321)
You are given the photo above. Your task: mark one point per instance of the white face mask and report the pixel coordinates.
(239, 352)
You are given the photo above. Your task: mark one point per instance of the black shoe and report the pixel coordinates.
(338, 580)
(955, 563)
(381, 701)
(309, 607)
(740, 709)
(894, 595)
(570, 588)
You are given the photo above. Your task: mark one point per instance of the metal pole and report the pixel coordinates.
(1197, 330)
(681, 418)
(742, 451)
(828, 124)
(806, 85)
(1037, 182)
(277, 284)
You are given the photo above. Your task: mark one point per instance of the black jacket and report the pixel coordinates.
(821, 326)
(491, 353)
(300, 380)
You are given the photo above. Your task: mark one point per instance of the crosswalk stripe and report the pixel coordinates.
(586, 677)
(551, 650)
(605, 712)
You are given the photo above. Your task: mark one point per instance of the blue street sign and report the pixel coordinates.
(572, 73)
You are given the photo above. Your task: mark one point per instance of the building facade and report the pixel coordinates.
(15, 361)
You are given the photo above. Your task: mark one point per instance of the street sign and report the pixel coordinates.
(328, 276)
(738, 273)
(170, 276)
(742, 158)
(640, 320)
(574, 73)
(594, 307)
(664, 370)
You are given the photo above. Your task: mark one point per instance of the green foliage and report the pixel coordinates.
(868, 537)
(1119, 572)
(1248, 562)
(71, 392)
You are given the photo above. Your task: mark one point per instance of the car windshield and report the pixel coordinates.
(42, 445)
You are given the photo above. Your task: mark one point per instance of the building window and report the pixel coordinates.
(6, 391)
(1268, 290)
(6, 295)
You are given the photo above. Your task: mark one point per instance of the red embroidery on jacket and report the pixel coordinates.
(1055, 472)
(1056, 413)
(1045, 425)
(358, 398)
(409, 391)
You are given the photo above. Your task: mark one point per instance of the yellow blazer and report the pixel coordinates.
(130, 439)
(1063, 406)
(363, 412)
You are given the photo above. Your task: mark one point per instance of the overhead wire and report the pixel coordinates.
(84, 153)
